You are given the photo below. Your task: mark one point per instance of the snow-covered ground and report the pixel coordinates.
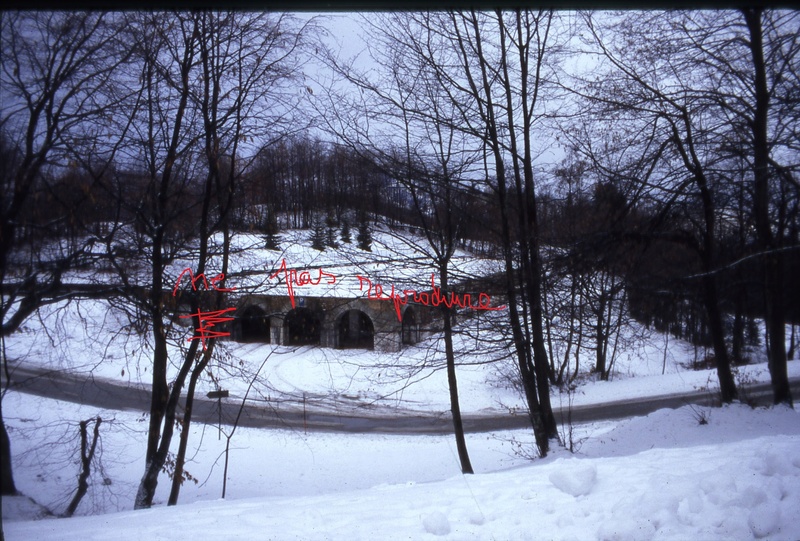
(400, 259)
(694, 472)
(664, 476)
(328, 379)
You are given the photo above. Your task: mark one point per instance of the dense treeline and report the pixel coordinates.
(296, 181)
(304, 177)
(128, 140)
(597, 229)
(680, 133)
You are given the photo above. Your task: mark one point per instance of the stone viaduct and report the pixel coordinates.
(331, 322)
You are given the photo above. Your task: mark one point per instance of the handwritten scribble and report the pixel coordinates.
(206, 321)
(433, 298)
(194, 279)
(292, 278)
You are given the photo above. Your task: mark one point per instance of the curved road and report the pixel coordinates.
(103, 393)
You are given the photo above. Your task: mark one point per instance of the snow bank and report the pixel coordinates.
(574, 478)
(711, 492)
(676, 479)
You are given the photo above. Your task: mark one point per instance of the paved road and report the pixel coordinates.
(85, 389)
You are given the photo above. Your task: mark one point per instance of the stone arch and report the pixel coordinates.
(255, 325)
(410, 328)
(356, 330)
(303, 327)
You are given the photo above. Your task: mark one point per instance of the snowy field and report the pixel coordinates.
(353, 380)
(690, 473)
(664, 476)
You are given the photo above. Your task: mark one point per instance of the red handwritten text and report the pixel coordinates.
(293, 278)
(214, 281)
(207, 321)
(433, 298)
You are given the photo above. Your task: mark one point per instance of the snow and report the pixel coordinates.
(400, 260)
(689, 473)
(662, 476)
(623, 484)
(348, 380)
(575, 479)
(436, 523)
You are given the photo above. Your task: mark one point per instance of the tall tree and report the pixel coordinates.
(167, 46)
(432, 166)
(503, 57)
(219, 85)
(717, 89)
(652, 86)
(57, 72)
(774, 66)
(488, 68)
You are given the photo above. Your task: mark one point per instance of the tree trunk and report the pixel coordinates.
(600, 341)
(154, 465)
(86, 464)
(540, 363)
(458, 426)
(727, 385)
(775, 313)
(180, 457)
(7, 486)
(521, 346)
(737, 341)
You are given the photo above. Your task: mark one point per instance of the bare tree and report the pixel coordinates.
(57, 72)
(488, 70)
(653, 89)
(167, 49)
(432, 170)
(774, 49)
(504, 58)
(87, 456)
(217, 87)
(258, 50)
(429, 162)
(711, 93)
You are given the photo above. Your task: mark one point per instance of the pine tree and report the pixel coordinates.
(364, 236)
(330, 236)
(271, 230)
(317, 234)
(346, 237)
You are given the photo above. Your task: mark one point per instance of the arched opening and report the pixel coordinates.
(255, 325)
(303, 328)
(410, 327)
(356, 331)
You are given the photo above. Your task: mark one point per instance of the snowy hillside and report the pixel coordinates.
(730, 473)
(403, 259)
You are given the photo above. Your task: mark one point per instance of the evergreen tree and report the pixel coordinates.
(364, 236)
(346, 237)
(330, 232)
(317, 234)
(271, 230)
